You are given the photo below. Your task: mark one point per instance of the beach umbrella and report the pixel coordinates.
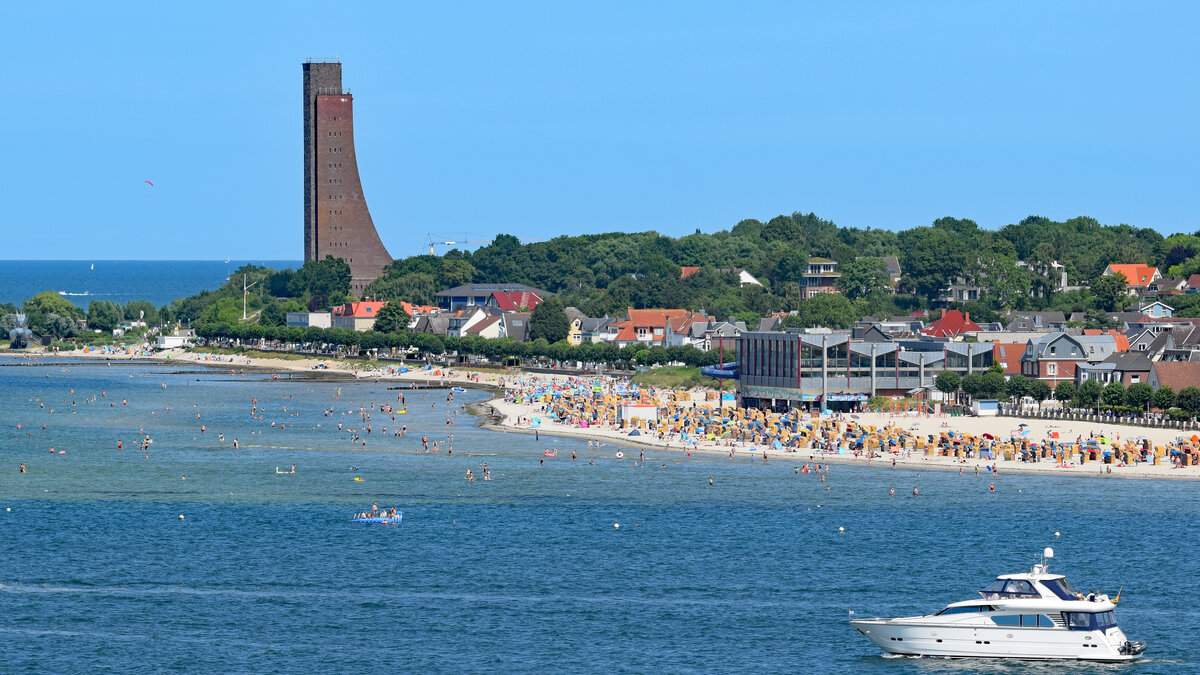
(989, 436)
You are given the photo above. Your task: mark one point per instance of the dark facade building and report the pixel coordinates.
(788, 370)
(336, 219)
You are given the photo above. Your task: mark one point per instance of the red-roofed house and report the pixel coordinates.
(952, 324)
(420, 310)
(653, 327)
(512, 301)
(490, 327)
(1175, 374)
(1008, 355)
(1137, 277)
(358, 315)
(1193, 283)
(685, 272)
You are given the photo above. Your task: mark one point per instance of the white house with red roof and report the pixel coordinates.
(1137, 277)
(357, 315)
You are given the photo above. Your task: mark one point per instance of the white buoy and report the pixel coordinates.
(8, 509)
(1056, 535)
(181, 516)
(841, 529)
(616, 526)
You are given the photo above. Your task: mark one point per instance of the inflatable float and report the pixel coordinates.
(381, 520)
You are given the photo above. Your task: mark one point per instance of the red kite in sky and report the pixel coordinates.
(148, 183)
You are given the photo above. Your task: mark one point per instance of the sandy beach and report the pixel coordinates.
(516, 417)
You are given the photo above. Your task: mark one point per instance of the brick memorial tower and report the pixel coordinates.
(336, 219)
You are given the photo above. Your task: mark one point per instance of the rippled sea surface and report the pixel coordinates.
(525, 572)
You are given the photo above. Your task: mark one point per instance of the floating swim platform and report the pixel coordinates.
(381, 520)
(459, 389)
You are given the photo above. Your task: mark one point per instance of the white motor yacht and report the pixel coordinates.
(1035, 615)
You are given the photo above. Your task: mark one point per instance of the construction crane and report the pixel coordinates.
(430, 242)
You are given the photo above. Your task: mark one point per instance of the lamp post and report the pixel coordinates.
(245, 294)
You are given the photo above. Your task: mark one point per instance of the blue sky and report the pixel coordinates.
(561, 118)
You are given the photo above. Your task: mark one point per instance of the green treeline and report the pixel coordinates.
(607, 273)
(436, 345)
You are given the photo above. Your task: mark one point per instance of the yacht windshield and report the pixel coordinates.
(1061, 588)
(1010, 588)
(968, 609)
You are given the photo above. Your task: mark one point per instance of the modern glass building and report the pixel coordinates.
(793, 369)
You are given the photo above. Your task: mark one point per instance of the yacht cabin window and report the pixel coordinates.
(1090, 620)
(1024, 620)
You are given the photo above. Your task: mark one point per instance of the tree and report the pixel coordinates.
(103, 315)
(330, 277)
(1114, 394)
(1089, 392)
(1065, 391)
(1108, 292)
(947, 381)
(973, 384)
(1018, 386)
(828, 310)
(272, 315)
(1188, 400)
(549, 321)
(1164, 398)
(933, 256)
(391, 318)
(60, 326)
(40, 308)
(141, 310)
(1138, 395)
(993, 385)
(862, 277)
(1040, 391)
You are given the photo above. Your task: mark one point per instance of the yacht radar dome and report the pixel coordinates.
(1048, 553)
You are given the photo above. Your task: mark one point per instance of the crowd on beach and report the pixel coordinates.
(701, 423)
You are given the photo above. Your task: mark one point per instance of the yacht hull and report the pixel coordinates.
(981, 641)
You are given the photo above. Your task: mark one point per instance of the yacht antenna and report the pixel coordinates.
(1047, 555)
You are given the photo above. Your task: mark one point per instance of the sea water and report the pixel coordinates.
(119, 281)
(523, 573)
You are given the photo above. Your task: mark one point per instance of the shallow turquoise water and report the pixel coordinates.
(521, 573)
